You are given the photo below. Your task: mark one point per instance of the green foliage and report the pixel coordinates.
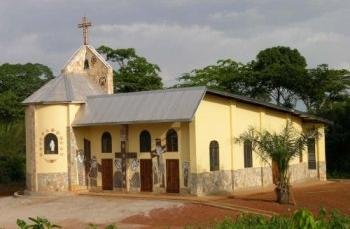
(338, 139)
(323, 88)
(36, 223)
(17, 82)
(94, 226)
(278, 148)
(134, 73)
(225, 75)
(300, 219)
(281, 70)
(12, 148)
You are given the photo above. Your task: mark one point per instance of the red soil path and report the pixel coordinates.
(329, 195)
(190, 214)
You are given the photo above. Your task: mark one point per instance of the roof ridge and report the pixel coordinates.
(148, 92)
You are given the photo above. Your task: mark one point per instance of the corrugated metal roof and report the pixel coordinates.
(170, 105)
(140, 107)
(65, 88)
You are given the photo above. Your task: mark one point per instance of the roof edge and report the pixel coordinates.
(244, 99)
(132, 122)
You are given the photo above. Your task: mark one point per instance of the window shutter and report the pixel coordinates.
(248, 154)
(311, 153)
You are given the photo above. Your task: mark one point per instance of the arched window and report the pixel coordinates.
(171, 141)
(106, 142)
(311, 153)
(248, 154)
(214, 155)
(145, 141)
(50, 144)
(86, 64)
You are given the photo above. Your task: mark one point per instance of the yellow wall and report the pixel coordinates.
(212, 122)
(157, 130)
(51, 119)
(224, 120)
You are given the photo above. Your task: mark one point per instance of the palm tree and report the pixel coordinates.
(278, 149)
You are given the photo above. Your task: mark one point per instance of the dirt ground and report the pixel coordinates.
(197, 215)
(330, 195)
(76, 211)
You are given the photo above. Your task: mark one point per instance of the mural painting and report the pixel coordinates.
(81, 163)
(118, 175)
(158, 163)
(134, 174)
(93, 172)
(186, 172)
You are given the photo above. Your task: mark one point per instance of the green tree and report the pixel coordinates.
(17, 82)
(226, 75)
(281, 70)
(12, 152)
(323, 87)
(134, 73)
(338, 139)
(278, 149)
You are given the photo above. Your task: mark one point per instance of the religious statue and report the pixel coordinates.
(52, 145)
(160, 161)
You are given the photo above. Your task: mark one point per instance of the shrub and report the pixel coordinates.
(300, 219)
(37, 223)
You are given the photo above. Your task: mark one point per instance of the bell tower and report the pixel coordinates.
(87, 62)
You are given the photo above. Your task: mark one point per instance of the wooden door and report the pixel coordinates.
(172, 176)
(107, 174)
(146, 175)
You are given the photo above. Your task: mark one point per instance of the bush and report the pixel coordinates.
(12, 168)
(37, 223)
(12, 152)
(300, 219)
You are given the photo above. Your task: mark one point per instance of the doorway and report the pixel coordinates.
(146, 175)
(172, 176)
(107, 174)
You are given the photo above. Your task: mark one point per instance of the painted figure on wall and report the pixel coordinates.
(80, 162)
(94, 168)
(159, 163)
(118, 175)
(186, 167)
(134, 169)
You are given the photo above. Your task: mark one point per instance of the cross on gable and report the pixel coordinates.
(85, 24)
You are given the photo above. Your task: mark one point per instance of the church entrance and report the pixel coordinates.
(172, 176)
(107, 174)
(146, 175)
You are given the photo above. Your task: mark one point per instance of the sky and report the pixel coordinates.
(178, 35)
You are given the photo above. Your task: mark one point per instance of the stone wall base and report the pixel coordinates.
(220, 182)
(52, 182)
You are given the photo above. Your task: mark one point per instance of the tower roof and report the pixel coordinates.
(64, 89)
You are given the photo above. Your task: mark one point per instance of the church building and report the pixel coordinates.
(82, 136)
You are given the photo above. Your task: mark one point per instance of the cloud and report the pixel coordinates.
(178, 49)
(178, 35)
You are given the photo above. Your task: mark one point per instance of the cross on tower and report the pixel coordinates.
(85, 24)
